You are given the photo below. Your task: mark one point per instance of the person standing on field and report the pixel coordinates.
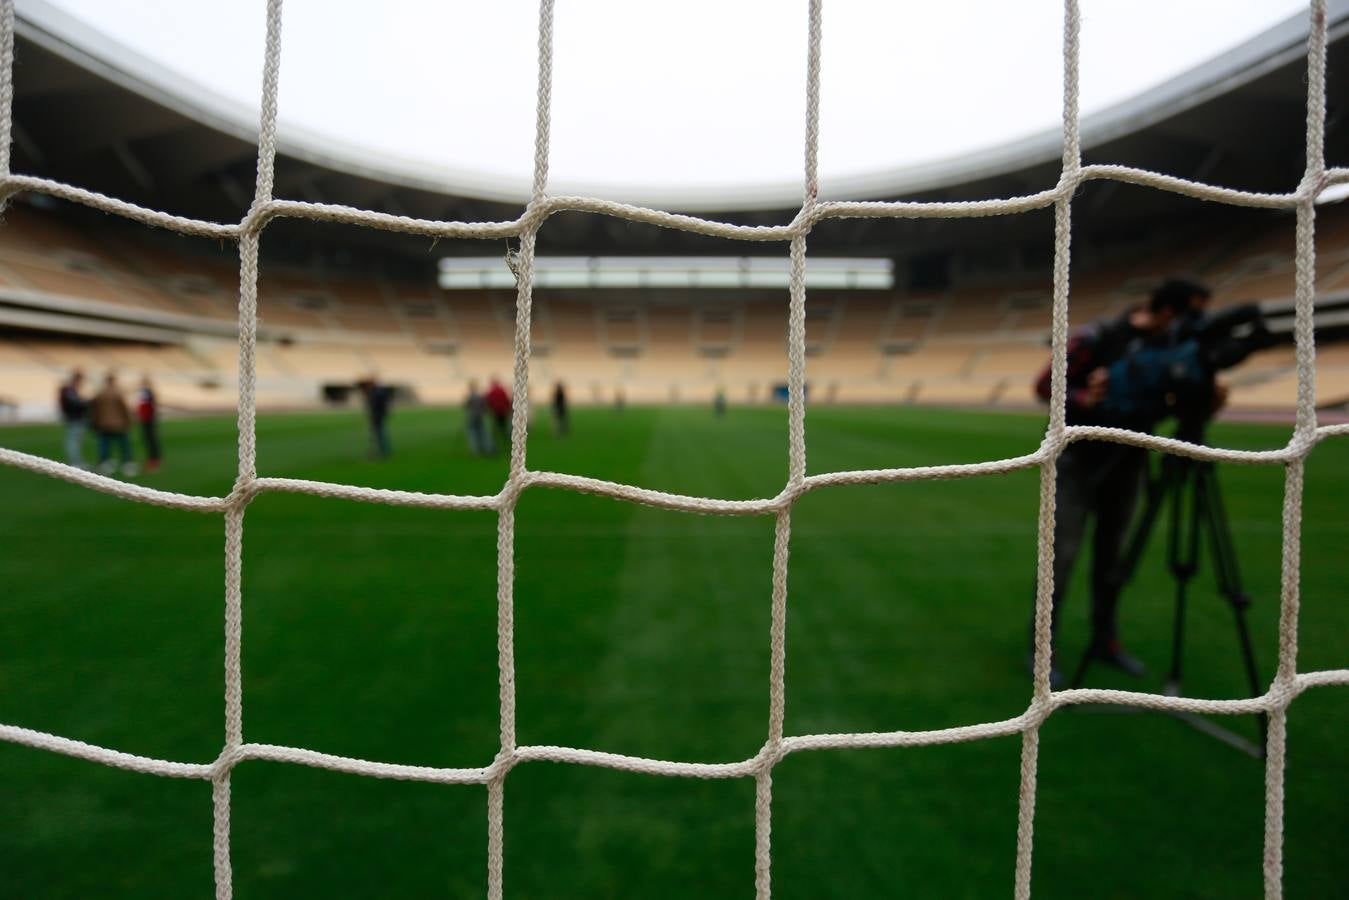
(499, 402)
(112, 420)
(560, 409)
(74, 413)
(475, 420)
(1099, 482)
(378, 400)
(147, 411)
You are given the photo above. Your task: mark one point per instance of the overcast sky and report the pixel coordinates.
(696, 92)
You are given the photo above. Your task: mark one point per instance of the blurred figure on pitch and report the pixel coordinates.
(499, 402)
(378, 400)
(719, 403)
(112, 420)
(475, 420)
(560, 409)
(147, 411)
(1099, 480)
(74, 412)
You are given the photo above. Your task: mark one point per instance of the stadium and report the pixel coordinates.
(614, 655)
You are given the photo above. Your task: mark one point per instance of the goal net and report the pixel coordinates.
(1286, 685)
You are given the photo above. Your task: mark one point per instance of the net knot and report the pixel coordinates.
(259, 214)
(1312, 184)
(1039, 710)
(244, 490)
(769, 755)
(502, 763)
(1282, 692)
(1055, 442)
(230, 756)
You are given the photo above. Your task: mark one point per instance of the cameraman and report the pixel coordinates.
(1102, 480)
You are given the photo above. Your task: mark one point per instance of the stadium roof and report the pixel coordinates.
(91, 112)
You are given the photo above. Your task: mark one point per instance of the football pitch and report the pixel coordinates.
(370, 631)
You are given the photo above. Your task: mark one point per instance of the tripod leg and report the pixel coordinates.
(1159, 489)
(1183, 557)
(1229, 576)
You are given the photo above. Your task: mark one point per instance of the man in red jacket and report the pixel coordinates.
(498, 400)
(147, 412)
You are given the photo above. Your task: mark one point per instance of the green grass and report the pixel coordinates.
(370, 631)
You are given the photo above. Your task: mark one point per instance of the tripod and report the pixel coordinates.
(1196, 507)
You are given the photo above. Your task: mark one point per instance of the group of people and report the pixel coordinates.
(110, 418)
(496, 404)
(1102, 481)
(487, 415)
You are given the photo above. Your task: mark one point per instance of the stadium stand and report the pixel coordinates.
(977, 344)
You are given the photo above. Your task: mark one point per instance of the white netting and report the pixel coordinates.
(1286, 685)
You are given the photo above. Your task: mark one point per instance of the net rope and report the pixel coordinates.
(1286, 685)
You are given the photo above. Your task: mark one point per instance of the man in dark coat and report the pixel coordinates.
(1100, 480)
